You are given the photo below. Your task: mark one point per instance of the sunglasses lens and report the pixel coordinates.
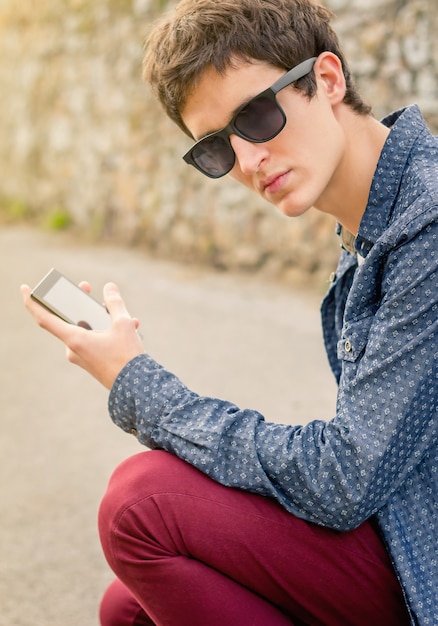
(261, 120)
(214, 156)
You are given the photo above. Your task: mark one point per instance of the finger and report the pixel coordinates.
(25, 291)
(85, 286)
(44, 318)
(114, 302)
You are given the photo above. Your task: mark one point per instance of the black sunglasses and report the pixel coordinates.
(259, 120)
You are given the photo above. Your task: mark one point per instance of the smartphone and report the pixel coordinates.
(64, 298)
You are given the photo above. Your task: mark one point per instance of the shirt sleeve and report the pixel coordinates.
(335, 473)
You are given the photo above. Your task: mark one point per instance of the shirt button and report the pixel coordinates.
(348, 347)
(332, 277)
(134, 432)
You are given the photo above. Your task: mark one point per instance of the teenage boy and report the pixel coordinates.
(231, 520)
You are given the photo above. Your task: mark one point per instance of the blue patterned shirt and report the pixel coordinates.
(378, 455)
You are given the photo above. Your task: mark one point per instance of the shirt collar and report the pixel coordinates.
(406, 125)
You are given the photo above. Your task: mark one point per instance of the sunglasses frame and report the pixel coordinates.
(297, 72)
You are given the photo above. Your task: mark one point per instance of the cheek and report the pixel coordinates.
(243, 179)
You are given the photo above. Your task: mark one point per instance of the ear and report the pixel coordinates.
(330, 77)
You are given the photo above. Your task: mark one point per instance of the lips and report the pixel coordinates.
(274, 183)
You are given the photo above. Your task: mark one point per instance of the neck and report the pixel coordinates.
(346, 197)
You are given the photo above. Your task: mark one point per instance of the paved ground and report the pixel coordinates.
(229, 336)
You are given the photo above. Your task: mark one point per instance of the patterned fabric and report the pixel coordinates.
(378, 455)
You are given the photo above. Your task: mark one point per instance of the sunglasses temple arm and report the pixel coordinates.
(294, 74)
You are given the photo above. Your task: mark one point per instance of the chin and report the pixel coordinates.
(290, 209)
(294, 205)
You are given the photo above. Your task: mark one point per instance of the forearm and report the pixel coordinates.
(322, 472)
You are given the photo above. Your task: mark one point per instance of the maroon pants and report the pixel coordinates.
(189, 552)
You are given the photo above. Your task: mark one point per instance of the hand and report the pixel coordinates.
(103, 354)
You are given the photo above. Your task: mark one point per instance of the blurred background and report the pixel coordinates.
(92, 182)
(84, 146)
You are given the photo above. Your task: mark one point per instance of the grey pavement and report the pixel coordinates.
(229, 336)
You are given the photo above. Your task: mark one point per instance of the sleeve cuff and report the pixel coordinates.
(130, 385)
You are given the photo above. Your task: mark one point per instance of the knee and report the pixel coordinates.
(143, 475)
(138, 477)
(127, 505)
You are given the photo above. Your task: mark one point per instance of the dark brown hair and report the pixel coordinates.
(212, 33)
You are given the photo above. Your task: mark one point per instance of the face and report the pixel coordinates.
(297, 169)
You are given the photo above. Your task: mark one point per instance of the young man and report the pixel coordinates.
(332, 522)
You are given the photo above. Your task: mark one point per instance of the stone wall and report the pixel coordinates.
(82, 140)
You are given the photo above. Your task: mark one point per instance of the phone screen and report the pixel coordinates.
(61, 296)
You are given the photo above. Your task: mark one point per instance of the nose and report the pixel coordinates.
(249, 156)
